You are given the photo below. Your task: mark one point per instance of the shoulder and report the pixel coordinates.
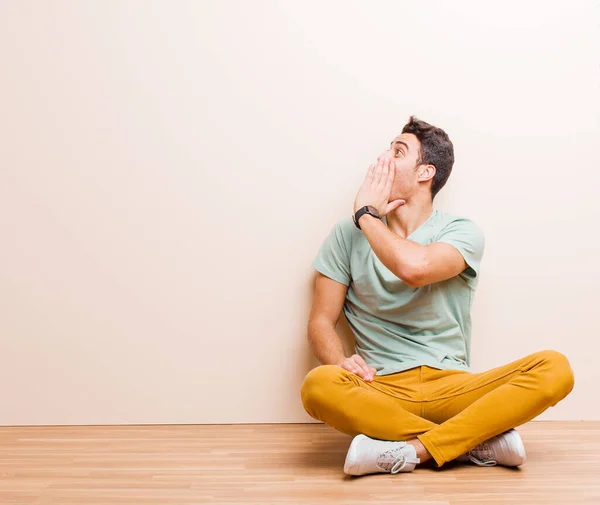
(347, 229)
(347, 226)
(467, 236)
(454, 223)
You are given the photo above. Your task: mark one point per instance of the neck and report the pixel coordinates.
(408, 217)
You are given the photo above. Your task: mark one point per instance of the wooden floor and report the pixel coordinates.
(276, 463)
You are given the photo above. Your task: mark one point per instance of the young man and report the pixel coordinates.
(405, 275)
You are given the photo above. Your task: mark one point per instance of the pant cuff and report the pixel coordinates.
(432, 449)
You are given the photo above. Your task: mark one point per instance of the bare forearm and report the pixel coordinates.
(402, 257)
(326, 343)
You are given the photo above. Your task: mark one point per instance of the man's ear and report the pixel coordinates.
(426, 172)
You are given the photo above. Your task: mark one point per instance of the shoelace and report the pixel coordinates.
(394, 460)
(485, 453)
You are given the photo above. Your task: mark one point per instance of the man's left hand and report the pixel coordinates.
(377, 187)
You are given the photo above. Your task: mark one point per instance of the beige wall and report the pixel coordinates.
(169, 170)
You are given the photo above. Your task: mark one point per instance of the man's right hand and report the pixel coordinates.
(357, 365)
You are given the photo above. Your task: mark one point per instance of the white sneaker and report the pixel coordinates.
(506, 449)
(369, 455)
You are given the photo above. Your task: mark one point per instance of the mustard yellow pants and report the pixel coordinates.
(449, 411)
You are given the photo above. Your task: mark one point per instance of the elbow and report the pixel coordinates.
(412, 280)
(415, 275)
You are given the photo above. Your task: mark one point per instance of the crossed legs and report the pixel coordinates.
(449, 413)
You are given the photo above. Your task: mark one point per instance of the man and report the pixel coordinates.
(405, 275)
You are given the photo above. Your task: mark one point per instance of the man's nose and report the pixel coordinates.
(385, 154)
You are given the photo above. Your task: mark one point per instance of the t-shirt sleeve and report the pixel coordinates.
(333, 258)
(469, 239)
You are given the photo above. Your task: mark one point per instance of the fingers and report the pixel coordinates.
(348, 364)
(371, 172)
(366, 371)
(379, 172)
(357, 365)
(383, 171)
(351, 366)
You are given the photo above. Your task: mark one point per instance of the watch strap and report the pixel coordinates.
(360, 212)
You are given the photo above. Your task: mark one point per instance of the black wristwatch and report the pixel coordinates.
(367, 209)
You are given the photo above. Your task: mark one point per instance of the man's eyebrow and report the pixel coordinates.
(400, 142)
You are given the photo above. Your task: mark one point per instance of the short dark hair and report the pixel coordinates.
(436, 149)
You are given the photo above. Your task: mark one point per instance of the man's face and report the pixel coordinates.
(404, 150)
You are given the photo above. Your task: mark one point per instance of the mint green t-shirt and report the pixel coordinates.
(397, 326)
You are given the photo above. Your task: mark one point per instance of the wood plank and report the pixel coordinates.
(276, 463)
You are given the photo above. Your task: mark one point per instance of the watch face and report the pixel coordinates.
(373, 210)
